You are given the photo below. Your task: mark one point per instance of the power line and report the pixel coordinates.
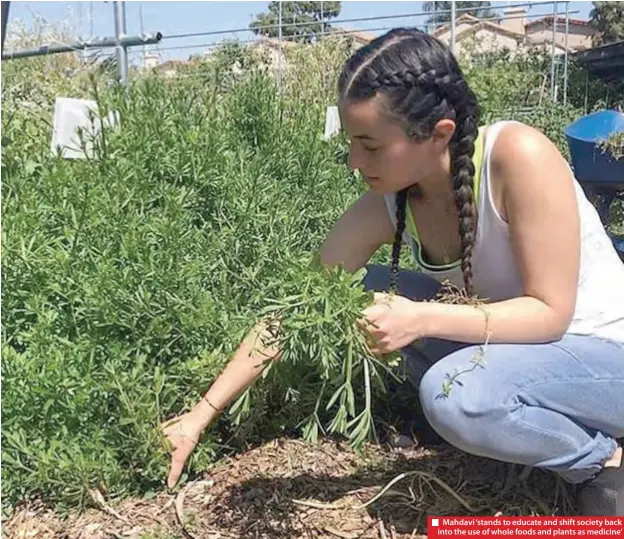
(360, 19)
(332, 33)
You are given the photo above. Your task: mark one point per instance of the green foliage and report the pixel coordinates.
(441, 11)
(300, 20)
(608, 19)
(325, 362)
(128, 280)
(614, 145)
(516, 86)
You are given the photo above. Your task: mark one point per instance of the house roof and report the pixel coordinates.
(170, 64)
(560, 20)
(366, 37)
(478, 24)
(264, 41)
(605, 62)
(359, 35)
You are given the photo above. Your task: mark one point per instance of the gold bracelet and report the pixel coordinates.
(212, 405)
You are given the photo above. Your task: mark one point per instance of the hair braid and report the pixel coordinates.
(462, 150)
(401, 203)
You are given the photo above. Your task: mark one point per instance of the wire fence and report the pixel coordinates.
(544, 24)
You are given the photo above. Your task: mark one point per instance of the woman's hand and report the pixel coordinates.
(394, 322)
(183, 434)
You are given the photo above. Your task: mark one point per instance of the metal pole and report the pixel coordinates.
(80, 18)
(453, 18)
(279, 60)
(120, 31)
(46, 50)
(552, 59)
(565, 61)
(141, 21)
(322, 19)
(5, 18)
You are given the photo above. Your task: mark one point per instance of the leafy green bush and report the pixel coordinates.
(128, 280)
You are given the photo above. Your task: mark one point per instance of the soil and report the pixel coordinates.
(288, 488)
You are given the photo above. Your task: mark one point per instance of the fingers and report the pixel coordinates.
(177, 465)
(381, 298)
(379, 350)
(166, 425)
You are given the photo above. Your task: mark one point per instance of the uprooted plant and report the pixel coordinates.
(323, 348)
(326, 363)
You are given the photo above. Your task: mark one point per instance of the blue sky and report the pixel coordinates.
(180, 17)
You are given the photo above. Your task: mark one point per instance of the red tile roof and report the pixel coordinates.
(560, 20)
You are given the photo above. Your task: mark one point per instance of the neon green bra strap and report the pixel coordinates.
(411, 225)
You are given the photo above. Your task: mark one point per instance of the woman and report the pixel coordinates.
(551, 393)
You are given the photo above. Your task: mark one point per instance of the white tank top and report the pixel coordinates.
(600, 301)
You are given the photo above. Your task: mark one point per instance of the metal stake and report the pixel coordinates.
(554, 48)
(453, 18)
(120, 31)
(279, 60)
(5, 18)
(565, 64)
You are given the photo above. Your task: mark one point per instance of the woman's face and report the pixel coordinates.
(383, 153)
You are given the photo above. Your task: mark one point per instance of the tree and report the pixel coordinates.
(310, 17)
(608, 19)
(476, 9)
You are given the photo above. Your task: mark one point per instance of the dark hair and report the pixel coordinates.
(421, 83)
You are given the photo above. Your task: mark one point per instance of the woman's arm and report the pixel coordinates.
(355, 237)
(361, 230)
(539, 203)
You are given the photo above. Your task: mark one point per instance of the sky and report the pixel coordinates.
(182, 17)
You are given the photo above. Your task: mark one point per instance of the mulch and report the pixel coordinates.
(288, 488)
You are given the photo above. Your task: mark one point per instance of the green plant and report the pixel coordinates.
(129, 278)
(331, 374)
(613, 145)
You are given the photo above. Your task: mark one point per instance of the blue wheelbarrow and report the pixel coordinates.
(600, 174)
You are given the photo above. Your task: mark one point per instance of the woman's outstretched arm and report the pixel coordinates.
(360, 231)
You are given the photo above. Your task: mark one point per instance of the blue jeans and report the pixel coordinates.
(557, 406)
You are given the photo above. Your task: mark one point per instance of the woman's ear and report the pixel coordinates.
(443, 132)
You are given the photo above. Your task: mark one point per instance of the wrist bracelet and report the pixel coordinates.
(212, 405)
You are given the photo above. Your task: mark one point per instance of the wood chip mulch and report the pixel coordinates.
(289, 489)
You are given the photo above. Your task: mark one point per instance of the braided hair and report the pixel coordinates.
(421, 83)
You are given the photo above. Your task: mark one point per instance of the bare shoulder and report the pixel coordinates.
(527, 167)
(523, 150)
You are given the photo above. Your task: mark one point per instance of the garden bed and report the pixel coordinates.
(287, 488)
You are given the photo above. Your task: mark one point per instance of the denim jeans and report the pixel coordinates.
(557, 406)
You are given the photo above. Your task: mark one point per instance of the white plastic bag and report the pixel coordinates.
(70, 115)
(332, 122)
